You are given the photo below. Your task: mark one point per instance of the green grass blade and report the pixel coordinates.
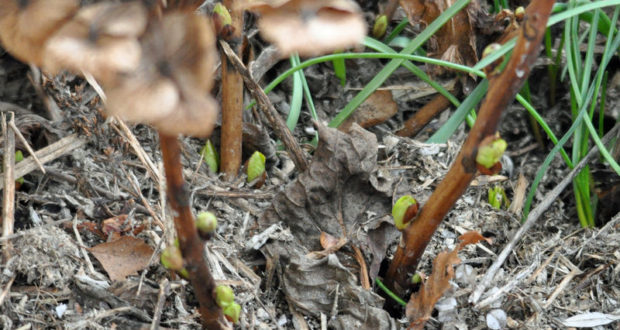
(397, 30)
(340, 70)
(296, 99)
(378, 80)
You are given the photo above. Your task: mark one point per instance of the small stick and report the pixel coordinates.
(192, 247)
(142, 155)
(164, 291)
(420, 119)
(49, 153)
(531, 219)
(26, 144)
(8, 198)
(276, 122)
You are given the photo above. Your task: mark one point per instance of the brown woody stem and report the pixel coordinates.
(502, 89)
(191, 246)
(232, 102)
(415, 124)
(265, 105)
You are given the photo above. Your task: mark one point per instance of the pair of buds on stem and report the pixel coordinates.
(488, 158)
(172, 259)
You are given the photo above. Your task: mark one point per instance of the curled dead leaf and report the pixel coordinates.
(456, 40)
(25, 26)
(377, 108)
(102, 39)
(422, 303)
(169, 88)
(309, 27)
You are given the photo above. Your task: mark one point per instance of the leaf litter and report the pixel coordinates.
(47, 261)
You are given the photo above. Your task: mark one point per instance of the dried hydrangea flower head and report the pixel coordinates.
(169, 89)
(101, 39)
(308, 27)
(25, 25)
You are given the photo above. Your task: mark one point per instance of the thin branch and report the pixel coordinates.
(278, 125)
(502, 89)
(8, 198)
(232, 101)
(192, 247)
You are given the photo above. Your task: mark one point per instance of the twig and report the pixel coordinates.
(137, 147)
(8, 196)
(276, 122)
(420, 119)
(6, 290)
(232, 101)
(26, 144)
(502, 89)
(49, 153)
(531, 219)
(164, 291)
(191, 246)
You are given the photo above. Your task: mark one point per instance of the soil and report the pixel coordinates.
(99, 189)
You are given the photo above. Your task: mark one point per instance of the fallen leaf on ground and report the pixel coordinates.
(377, 108)
(123, 257)
(422, 303)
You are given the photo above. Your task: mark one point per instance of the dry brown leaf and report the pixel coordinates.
(309, 27)
(123, 257)
(327, 240)
(377, 108)
(456, 40)
(170, 87)
(422, 303)
(25, 26)
(102, 39)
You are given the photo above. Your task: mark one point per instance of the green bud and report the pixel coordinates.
(403, 211)
(497, 196)
(381, 23)
(224, 296)
(232, 312)
(222, 14)
(171, 258)
(491, 153)
(416, 278)
(256, 166)
(206, 222)
(520, 13)
(211, 157)
(184, 274)
(19, 156)
(491, 48)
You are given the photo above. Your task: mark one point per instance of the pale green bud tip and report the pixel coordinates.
(232, 312)
(223, 13)
(210, 156)
(19, 156)
(520, 12)
(416, 278)
(399, 211)
(488, 50)
(224, 296)
(171, 258)
(206, 222)
(491, 153)
(378, 30)
(256, 166)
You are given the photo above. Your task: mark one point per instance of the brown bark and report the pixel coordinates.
(192, 247)
(502, 89)
(232, 101)
(420, 119)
